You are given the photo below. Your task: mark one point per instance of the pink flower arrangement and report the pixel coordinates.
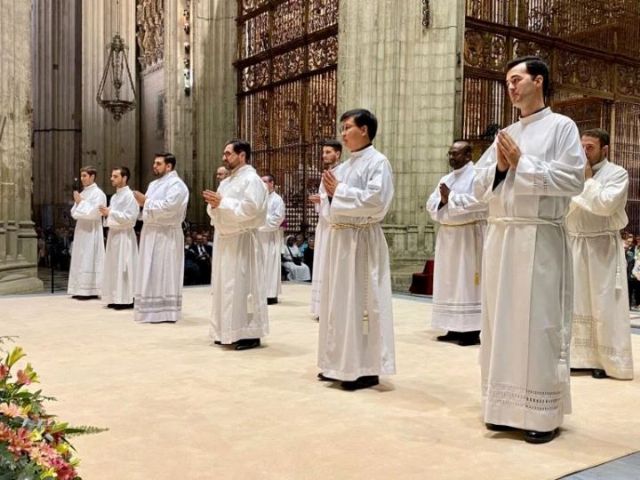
(32, 443)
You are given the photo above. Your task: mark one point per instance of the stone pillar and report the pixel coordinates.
(406, 74)
(178, 105)
(105, 142)
(18, 243)
(57, 77)
(214, 91)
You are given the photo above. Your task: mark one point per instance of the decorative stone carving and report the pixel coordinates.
(150, 32)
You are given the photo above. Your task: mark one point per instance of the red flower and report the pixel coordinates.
(4, 371)
(23, 378)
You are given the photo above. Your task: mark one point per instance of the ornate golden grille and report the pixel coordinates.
(593, 48)
(287, 59)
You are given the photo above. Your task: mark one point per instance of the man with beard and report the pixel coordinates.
(456, 283)
(160, 272)
(121, 257)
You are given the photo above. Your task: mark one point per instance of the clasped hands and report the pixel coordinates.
(212, 198)
(508, 152)
(330, 182)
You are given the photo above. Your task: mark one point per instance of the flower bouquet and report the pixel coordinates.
(33, 444)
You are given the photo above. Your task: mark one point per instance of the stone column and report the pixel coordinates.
(105, 142)
(214, 91)
(18, 243)
(57, 77)
(406, 74)
(178, 105)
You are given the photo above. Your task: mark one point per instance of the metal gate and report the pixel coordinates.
(287, 60)
(593, 48)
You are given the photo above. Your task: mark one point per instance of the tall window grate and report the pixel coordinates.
(286, 64)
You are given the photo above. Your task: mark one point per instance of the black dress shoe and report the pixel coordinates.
(322, 378)
(217, 342)
(111, 305)
(531, 436)
(272, 300)
(499, 428)
(122, 306)
(598, 373)
(469, 338)
(362, 382)
(84, 297)
(449, 337)
(247, 343)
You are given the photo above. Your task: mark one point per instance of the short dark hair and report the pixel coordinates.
(362, 117)
(335, 144)
(89, 170)
(270, 177)
(168, 158)
(240, 146)
(535, 66)
(124, 171)
(598, 133)
(468, 149)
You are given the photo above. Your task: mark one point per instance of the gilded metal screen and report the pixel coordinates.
(287, 59)
(593, 48)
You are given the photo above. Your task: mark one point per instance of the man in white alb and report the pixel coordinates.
(356, 343)
(121, 257)
(601, 332)
(528, 177)
(331, 152)
(239, 315)
(160, 272)
(270, 237)
(462, 219)
(87, 255)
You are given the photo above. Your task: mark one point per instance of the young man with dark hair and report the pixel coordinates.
(356, 343)
(87, 255)
(270, 237)
(331, 152)
(458, 259)
(239, 315)
(158, 292)
(601, 332)
(528, 177)
(121, 259)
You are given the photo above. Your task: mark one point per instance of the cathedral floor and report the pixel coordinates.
(178, 408)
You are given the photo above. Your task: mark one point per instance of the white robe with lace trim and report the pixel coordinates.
(160, 271)
(121, 257)
(457, 269)
(237, 280)
(526, 274)
(356, 319)
(87, 255)
(270, 237)
(601, 333)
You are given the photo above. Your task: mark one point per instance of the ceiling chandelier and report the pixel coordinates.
(120, 97)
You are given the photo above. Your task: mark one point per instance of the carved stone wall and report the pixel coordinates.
(18, 243)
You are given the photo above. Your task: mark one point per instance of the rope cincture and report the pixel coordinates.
(361, 227)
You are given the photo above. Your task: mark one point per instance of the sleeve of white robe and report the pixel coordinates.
(485, 173)
(169, 206)
(604, 200)
(87, 209)
(371, 201)
(463, 203)
(275, 217)
(433, 205)
(231, 211)
(562, 176)
(125, 213)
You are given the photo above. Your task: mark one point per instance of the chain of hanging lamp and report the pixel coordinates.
(116, 66)
(426, 13)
